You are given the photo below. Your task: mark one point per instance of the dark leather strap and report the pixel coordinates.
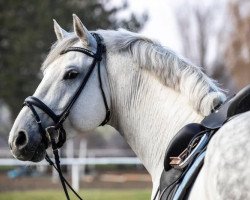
(31, 100)
(108, 114)
(39, 123)
(79, 49)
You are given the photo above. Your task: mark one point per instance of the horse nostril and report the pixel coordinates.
(21, 139)
(10, 146)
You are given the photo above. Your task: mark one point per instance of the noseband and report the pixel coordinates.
(56, 134)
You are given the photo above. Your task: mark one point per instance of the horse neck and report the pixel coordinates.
(145, 112)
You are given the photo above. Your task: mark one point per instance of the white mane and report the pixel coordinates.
(172, 70)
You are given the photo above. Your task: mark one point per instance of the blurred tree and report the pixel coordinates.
(237, 49)
(26, 34)
(193, 21)
(5, 120)
(199, 27)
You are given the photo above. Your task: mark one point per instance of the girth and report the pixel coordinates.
(185, 154)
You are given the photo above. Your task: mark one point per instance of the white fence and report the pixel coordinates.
(77, 159)
(76, 163)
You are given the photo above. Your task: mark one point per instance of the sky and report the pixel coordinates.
(161, 24)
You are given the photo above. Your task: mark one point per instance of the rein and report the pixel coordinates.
(56, 134)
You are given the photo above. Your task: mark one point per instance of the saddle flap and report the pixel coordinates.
(240, 102)
(216, 119)
(180, 141)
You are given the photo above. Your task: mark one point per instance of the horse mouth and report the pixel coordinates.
(30, 153)
(39, 154)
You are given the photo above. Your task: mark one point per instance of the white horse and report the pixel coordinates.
(151, 93)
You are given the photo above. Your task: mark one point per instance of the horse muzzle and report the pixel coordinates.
(26, 148)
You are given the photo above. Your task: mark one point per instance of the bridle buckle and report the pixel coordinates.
(53, 134)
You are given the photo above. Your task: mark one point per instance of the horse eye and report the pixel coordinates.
(70, 74)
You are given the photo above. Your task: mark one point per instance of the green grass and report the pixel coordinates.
(93, 194)
(6, 168)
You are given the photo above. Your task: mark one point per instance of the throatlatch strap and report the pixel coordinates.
(107, 117)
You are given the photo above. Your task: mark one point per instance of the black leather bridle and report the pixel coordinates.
(56, 134)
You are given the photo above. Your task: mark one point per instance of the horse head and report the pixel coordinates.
(74, 86)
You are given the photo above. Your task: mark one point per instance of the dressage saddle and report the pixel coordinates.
(186, 151)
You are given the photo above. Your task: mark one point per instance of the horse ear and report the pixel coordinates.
(81, 31)
(60, 32)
